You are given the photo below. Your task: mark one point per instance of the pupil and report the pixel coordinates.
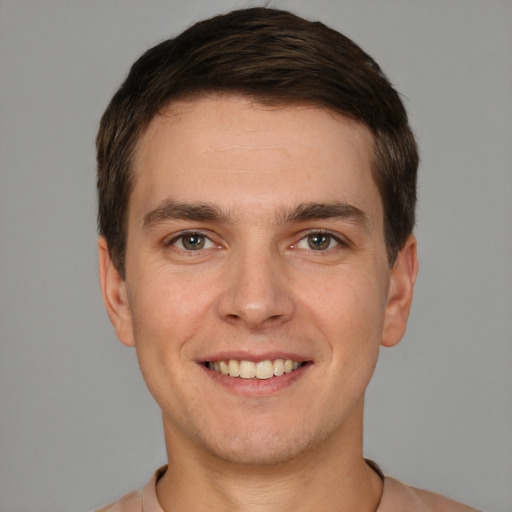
(318, 241)
(194, 242)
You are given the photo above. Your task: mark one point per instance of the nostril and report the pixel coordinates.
(255, 302)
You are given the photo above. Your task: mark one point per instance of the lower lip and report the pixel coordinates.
(257, 387)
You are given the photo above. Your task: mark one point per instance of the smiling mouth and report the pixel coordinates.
(254, 370)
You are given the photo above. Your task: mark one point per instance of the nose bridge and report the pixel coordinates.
(256, 292)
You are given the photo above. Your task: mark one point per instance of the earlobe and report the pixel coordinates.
(113, 289)
(400, 292)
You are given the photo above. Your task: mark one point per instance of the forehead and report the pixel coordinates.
(243, 153)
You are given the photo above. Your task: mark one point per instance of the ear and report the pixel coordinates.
(113, 289)
(400, 291)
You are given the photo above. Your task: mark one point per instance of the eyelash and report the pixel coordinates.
(340, 243)
(208, 241)
(189, 234)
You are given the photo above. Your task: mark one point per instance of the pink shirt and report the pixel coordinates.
(396, 497)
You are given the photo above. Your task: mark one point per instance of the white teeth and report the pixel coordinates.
(224, 368)
(264, 370)
(249, 370)
(234, 368)
(278, 367)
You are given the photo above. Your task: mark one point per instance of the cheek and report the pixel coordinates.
(167, 312)
(349, 311)
(168, 308)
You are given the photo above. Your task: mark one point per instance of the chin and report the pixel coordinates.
(264, 452)
(264, 447)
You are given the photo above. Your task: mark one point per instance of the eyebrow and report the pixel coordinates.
(333, 210)
(175, 210)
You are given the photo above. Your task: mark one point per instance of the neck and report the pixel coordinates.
(331, 477)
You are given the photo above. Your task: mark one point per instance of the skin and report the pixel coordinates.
(258, 290)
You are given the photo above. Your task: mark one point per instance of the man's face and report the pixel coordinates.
(255, 239)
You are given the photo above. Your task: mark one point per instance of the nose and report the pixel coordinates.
(257, 293)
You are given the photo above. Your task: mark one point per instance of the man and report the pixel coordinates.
(257, 188)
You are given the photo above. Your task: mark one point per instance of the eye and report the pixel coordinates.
(192, 242)
(318, 241)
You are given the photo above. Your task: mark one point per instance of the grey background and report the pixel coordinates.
(77, 426)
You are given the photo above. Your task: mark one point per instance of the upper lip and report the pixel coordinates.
(255, 357)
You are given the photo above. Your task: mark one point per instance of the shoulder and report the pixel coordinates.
(132, 502)
(139, 501)
(398, 496)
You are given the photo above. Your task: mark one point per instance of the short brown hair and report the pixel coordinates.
(276, 58)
